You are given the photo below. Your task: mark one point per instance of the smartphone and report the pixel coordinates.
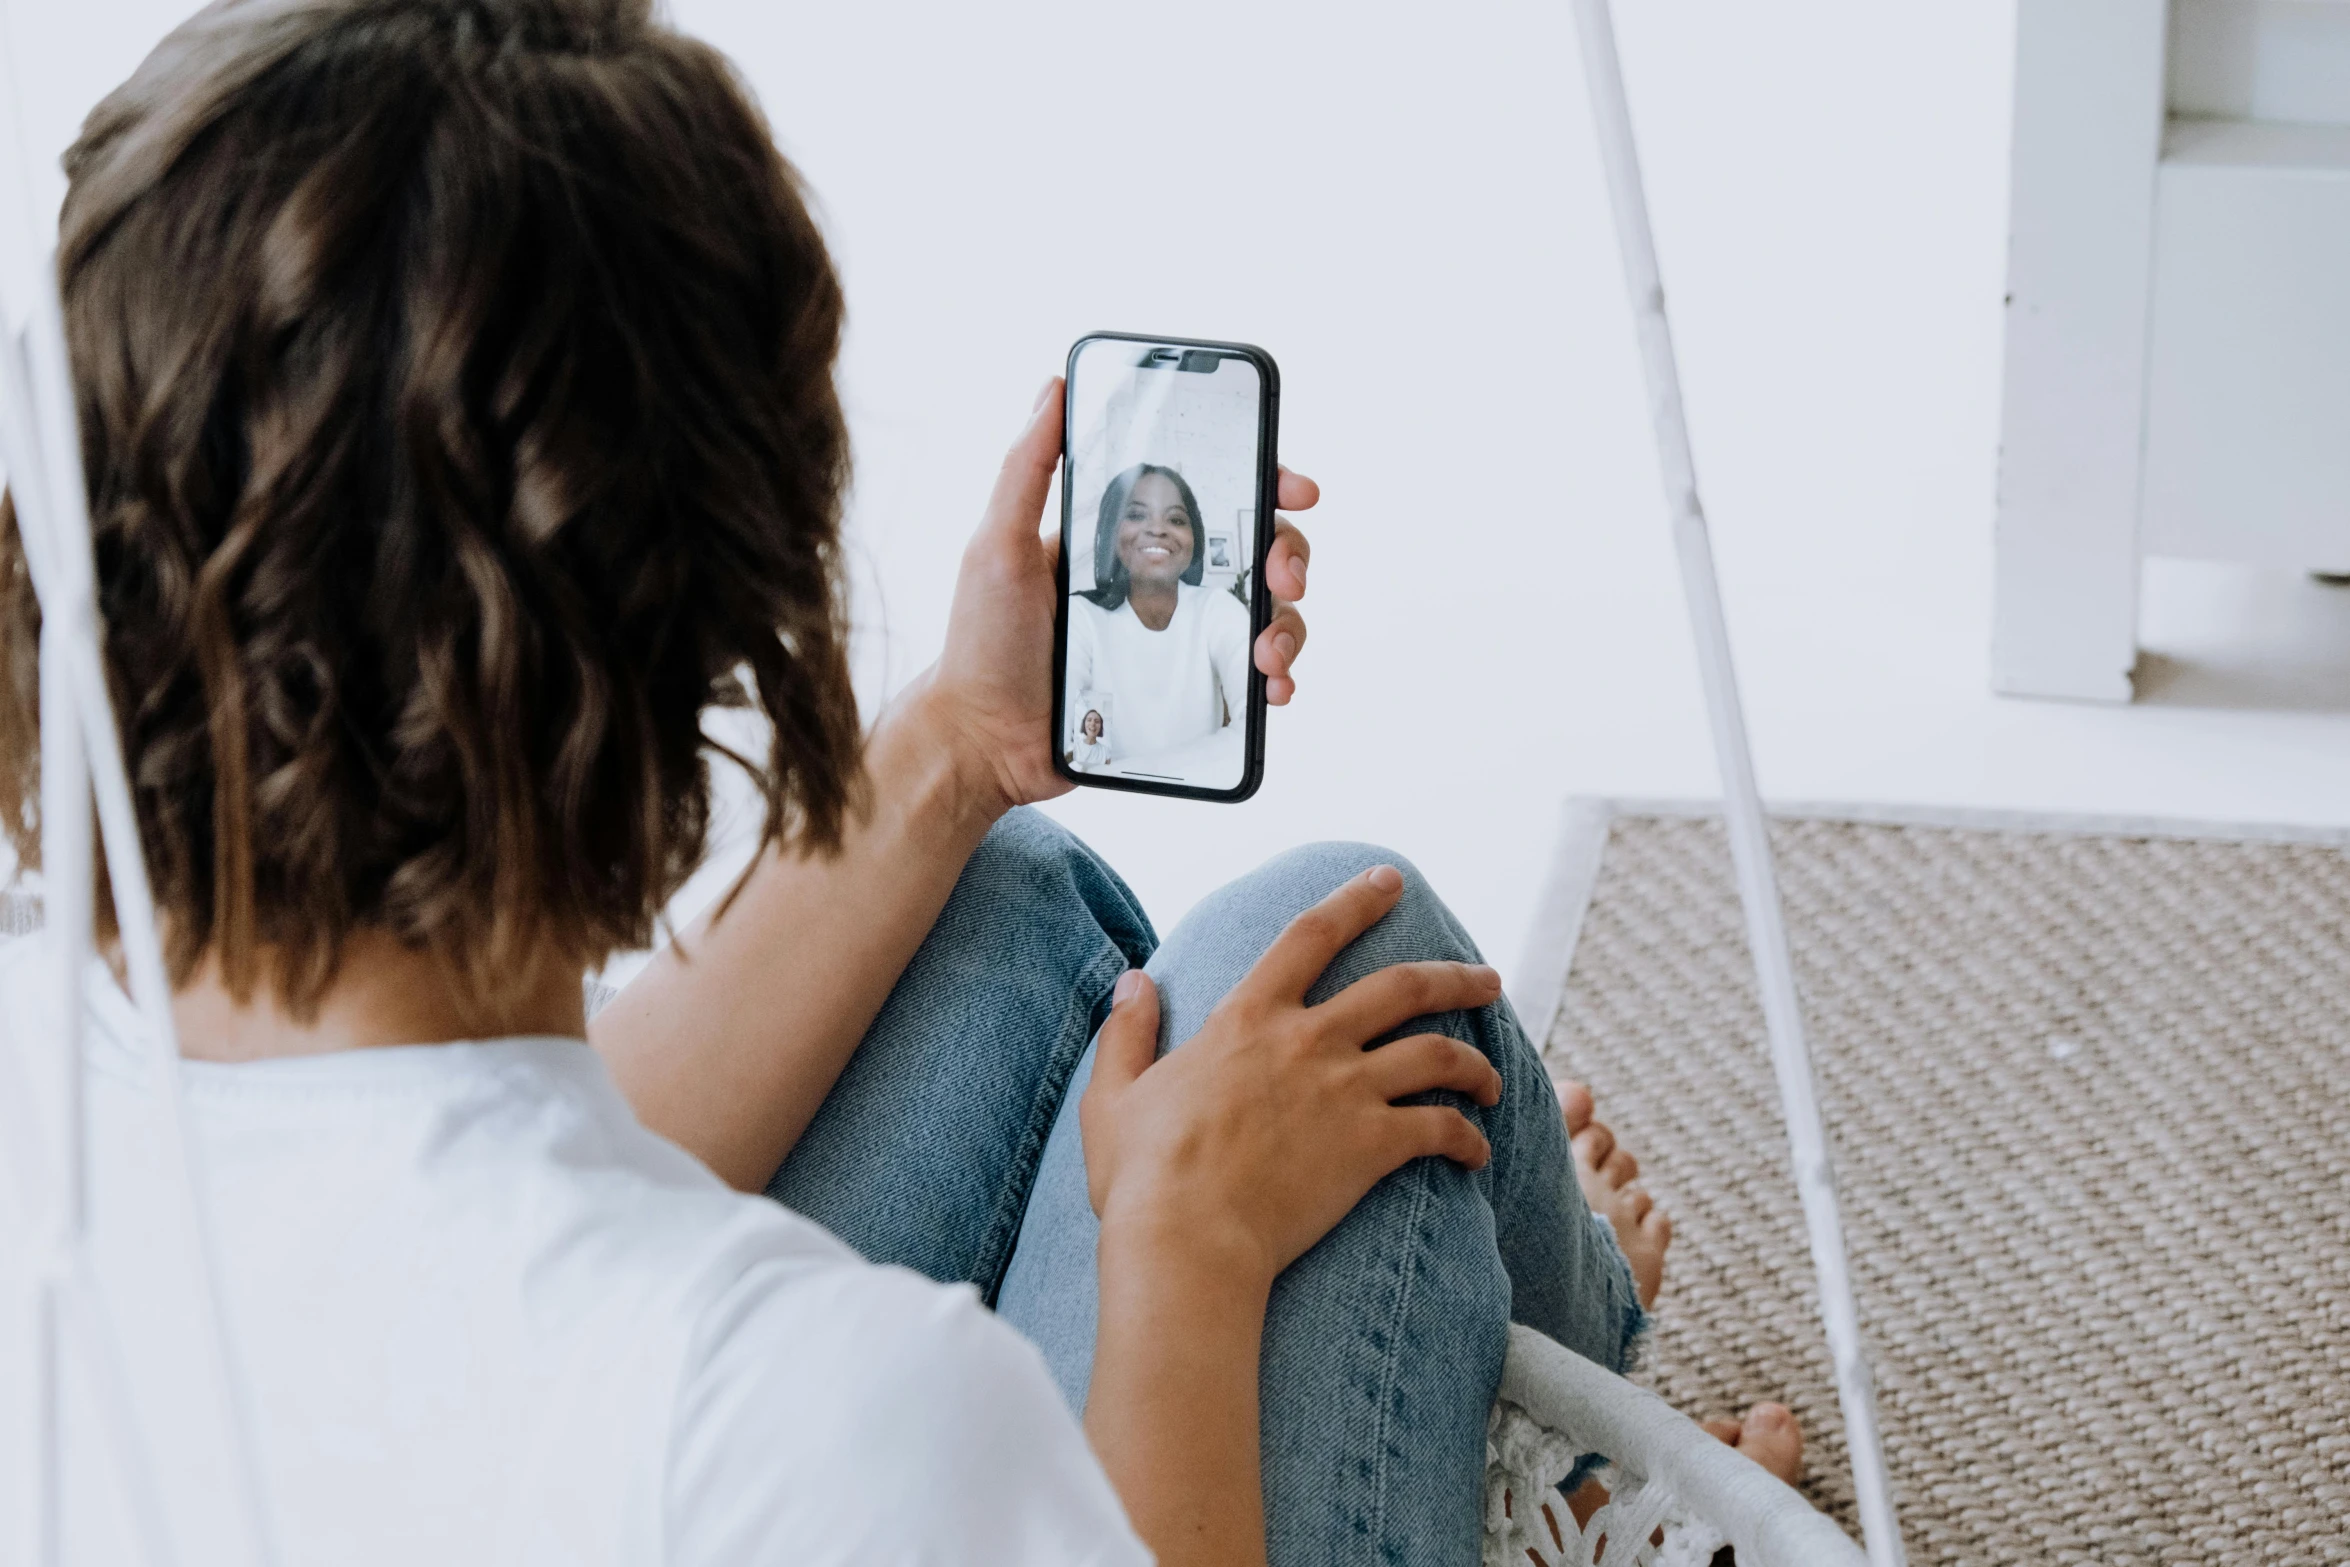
(1167, 478)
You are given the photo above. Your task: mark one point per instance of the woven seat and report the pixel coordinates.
(1666, 1472)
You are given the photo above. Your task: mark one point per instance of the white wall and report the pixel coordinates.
(1427, 254)
(1401, 204)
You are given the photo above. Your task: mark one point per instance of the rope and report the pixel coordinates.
(1527, 1521)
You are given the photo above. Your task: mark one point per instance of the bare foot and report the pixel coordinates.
(1609, 1175)
(1769, 1436)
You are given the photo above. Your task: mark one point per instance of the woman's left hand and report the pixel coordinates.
(991, 692)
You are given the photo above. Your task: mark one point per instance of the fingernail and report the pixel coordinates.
(1042, 393)
(1386, 878)
(1285, 645)
(1299, 567)
(1128, 983)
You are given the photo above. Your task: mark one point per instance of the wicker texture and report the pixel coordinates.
(2085, 1095)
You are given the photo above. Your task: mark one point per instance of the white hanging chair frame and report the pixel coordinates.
(1553, 1404)
(1666, 1466)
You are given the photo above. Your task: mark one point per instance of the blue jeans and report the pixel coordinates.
(950, 1145)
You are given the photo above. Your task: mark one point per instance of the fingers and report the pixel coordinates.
(1421, 1131)
(1300, 953)
(1285, 574)
(1285, 562)
(1129, 1040)
(1395, 995)
(1294, 491)
(1017, 505)
(1124, 1049)
(1426, 1062)
(1277, 649)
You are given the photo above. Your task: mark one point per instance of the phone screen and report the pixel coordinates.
(1166, 511)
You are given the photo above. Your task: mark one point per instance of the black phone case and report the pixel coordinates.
(1260, 609)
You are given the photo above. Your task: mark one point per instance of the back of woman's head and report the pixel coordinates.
(456, 401)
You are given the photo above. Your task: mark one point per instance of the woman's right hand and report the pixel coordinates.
(1251, 1142)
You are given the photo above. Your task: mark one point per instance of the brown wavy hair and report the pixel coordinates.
(455, 384)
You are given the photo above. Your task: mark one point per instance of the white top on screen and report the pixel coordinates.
(486, 1317)
(1172, 687)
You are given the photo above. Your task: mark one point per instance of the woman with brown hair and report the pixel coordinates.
(458, 421)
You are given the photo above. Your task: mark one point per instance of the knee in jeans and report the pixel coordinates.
(1026, 844)
(1419, 927)
(1029, 862)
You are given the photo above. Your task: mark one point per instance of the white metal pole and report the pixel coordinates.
(1750, 845)
(65, 844)
(44, 1121)
(40, 423)
(73, 682)
(50, 1169)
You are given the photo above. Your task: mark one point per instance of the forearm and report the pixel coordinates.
(730, 1039)
(1172, 1409)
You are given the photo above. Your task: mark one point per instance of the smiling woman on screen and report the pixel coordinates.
(1175, 652)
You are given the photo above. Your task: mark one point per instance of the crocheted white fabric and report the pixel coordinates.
(1526, 1520)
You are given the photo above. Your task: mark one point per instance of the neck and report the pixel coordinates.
(1154, 603)
(383, 994)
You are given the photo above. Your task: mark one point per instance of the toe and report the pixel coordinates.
(1641, 1203)
(1723, 1430)
(1659, 1225)
(1621, 1168)
(1593, 1144)
(1770, 1436)
(1576, 1104)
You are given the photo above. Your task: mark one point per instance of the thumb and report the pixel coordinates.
(1129, 1040)
(1027, 475)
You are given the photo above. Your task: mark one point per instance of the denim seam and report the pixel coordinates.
(1003, 1228)
(1423, 1186)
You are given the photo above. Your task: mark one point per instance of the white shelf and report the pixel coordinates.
(2248, 354)
(2265, 145)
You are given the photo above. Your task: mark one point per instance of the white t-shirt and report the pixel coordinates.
(1167, 688)
(486, 1317)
